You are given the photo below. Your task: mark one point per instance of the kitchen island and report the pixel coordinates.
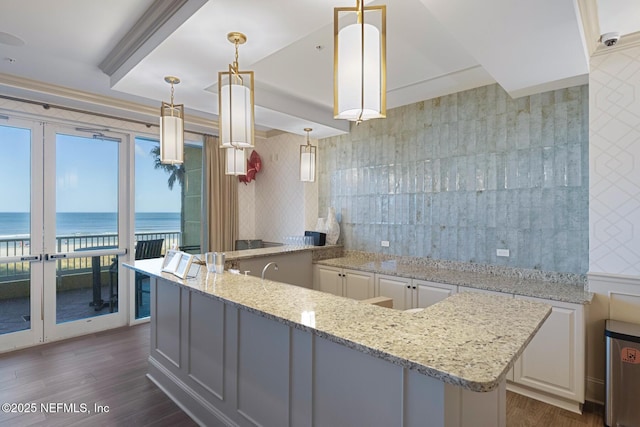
(236, 350)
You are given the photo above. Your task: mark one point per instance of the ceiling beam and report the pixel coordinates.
(154, 26)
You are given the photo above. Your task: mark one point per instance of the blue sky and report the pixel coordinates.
(86, 175)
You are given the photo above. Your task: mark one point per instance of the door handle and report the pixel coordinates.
(31, 258)
(49, 257)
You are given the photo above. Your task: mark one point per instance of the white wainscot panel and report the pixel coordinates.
(624, 307)
(167, 319)
(263, 370)
(206, 343)
(354, 389)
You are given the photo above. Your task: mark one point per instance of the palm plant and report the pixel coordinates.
(176, 172)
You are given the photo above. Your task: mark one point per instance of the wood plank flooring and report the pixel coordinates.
(109, 368)
(525, 412)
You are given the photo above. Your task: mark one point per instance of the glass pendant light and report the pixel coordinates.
(307, 160)
(235, 102)
(171, 129)
(359, 67)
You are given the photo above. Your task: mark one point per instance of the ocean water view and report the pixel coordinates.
(81, 223)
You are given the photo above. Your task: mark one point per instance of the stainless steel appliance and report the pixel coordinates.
(622, 408)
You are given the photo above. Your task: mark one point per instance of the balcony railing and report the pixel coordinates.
(20, 246)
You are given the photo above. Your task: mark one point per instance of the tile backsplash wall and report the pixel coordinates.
(460, 176)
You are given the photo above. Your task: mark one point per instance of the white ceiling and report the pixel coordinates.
(619, 16)
(434, 47)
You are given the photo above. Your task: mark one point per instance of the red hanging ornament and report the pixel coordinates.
(254, 164)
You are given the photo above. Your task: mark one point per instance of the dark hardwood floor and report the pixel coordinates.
(106, 368)
(109, 368)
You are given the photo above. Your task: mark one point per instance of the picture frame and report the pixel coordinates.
(180, 264)
(171, 260)
(184, 264)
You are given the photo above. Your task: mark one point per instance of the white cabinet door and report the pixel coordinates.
(554, 360)
(396, 288)
(358, 284)
(429, 293)
(328, 279)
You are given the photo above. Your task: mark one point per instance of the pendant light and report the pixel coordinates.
(235, 102)
(359, 62)
(171, 129)
(307, 160)
(236, 163)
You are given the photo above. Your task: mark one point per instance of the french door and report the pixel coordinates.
(62, 234)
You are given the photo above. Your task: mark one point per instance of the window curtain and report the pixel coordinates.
(222, 212)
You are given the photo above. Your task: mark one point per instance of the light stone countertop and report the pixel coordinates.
(318, 252)
(489, 280)
(563, 287)
(469, 340)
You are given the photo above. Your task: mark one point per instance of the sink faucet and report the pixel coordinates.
(264, 270)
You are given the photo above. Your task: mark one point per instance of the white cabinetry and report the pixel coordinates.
(412, 293)
(428, 293)
(396, 288)
(552, 367)
(328, 279)
(554, 361)
(344, 282)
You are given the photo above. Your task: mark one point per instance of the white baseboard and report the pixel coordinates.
(595, 391)
(187, 399)
(569, 405)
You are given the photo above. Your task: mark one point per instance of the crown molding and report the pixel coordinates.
(39, 91)
(590, 24)
(96, 103)
(274, 132)
(626, 42)
(148, 24)
(160, 20)
(549, 86)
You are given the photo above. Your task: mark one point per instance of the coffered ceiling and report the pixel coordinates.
(112, 56)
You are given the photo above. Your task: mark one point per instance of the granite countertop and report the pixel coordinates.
(319, 252)
(469, 340)
(509, 281)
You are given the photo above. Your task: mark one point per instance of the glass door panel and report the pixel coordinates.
(159, 192)
(20, 236)
(82, 232)
(62, 206)
(86, 226)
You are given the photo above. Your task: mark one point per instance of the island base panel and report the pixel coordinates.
(264, 372)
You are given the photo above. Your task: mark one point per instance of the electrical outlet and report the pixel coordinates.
(384, 243)
(502, 252)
